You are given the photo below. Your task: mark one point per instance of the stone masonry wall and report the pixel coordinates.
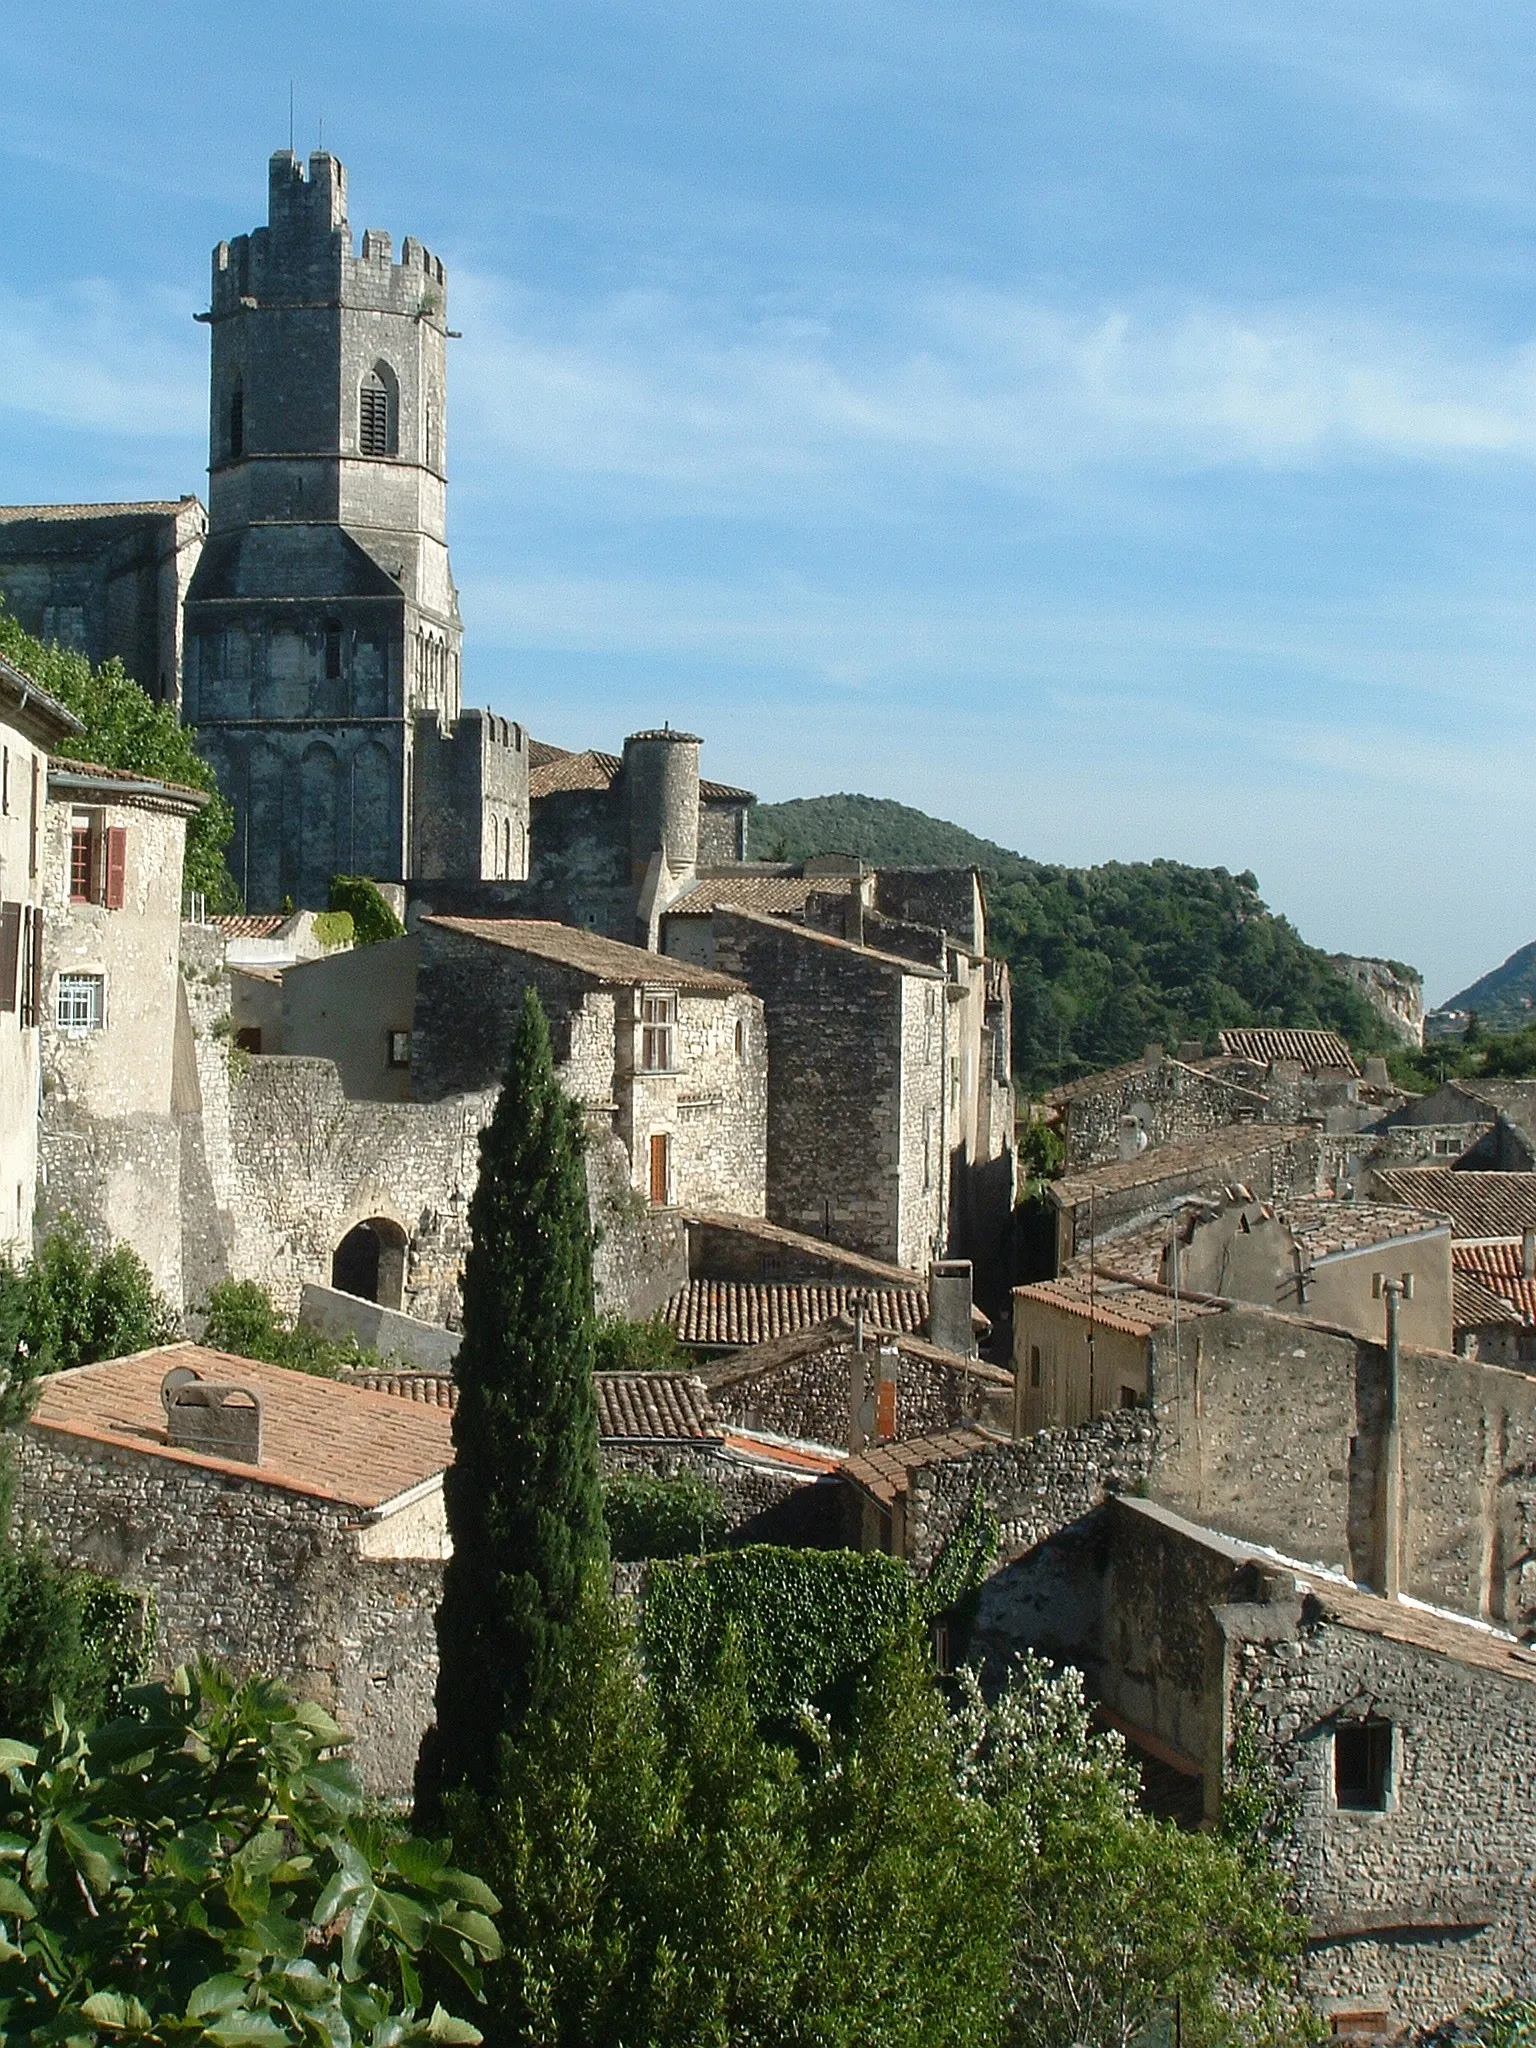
(1168, 1100)
(834, 1023)
(264, 1580)
(1396, 1897)
(807, 1396)
(1035, 1486)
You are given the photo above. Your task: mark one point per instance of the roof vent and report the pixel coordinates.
(214, 1418)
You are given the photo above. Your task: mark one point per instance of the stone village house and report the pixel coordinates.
(30, 722)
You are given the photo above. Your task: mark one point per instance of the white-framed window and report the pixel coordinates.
(658, 1025)
(81, 1003)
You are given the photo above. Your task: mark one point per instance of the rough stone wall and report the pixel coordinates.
(723, 832)
(944, 899)
(1035, 1486)
(307, 1164)
(1396, 1897)
(836, 1102)
(471, 799)
(579, 862)
(807, 1397)
(110, 583)
(1167, 1101)
(262, 1579)
(1273, 1171)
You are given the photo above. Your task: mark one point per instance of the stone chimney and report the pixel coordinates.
(216, 1419)
(1528, 1253)
(949, 1306)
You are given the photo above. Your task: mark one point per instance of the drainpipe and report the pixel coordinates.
(1392, 1458)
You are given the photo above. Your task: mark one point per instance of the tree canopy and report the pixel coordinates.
(124, 728)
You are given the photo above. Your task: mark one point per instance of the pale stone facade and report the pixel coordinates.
(30, 722)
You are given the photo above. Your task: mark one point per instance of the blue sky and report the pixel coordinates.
(1108, 423)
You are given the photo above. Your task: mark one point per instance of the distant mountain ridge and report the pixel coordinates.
(1505, 998)
(1105, 961)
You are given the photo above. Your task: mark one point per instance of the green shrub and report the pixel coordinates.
(244, 1319)
(812, 1624)
(363, 900)
(334, 927)
(623, 1345)
(652, 1518)
(77, 1308)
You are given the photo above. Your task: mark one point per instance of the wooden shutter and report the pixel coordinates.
(98, 861)
(116, 837)
(31, 963)
(660, 1145)
(37, 776)
(10, 953)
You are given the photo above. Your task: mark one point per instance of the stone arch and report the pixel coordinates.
(374, 848)
(369, 1261)
(319, 809)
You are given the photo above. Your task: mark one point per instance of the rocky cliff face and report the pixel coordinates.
(1395, 992)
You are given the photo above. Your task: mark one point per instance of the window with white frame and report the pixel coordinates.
(658, 1026)
(81, 1002)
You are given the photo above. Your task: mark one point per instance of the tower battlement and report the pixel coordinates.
(305, 252)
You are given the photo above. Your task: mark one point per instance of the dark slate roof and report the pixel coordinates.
(1314, 1050)
(735, 1313)
(316, 561)
(606, 960)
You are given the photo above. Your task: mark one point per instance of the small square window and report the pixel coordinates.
(1129, 1398)
(81, 1004)
(1362, 1765)
(399, 1048)
(248, 1038)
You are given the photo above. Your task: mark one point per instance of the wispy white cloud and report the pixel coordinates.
(969, 384)
(92, 358)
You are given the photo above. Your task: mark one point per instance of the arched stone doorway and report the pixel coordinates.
(370, 1262)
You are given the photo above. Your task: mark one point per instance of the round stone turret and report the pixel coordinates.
(661, 774)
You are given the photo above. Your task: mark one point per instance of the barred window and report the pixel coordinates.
(81, 1002)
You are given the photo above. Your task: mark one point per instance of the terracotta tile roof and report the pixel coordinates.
(641, 1406)
(1496, 1265)
(1314, 1050)
(606, 960)
(884, 1471)
(165, 506)
(1326, 1227)
(1115, 1304)
(1477, 1302)
(324, 1438)
(433, 1389)
(242, 926)
(631, 1406)
(589, 770)
(1234, 1146)
(552, 770)
(1478, 1204)
(735, 1313)
(758, 1449)
(768, 895)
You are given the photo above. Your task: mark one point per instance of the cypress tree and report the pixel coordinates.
(523, 1496)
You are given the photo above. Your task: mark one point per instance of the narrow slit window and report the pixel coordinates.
(236, 435)
(332, 650)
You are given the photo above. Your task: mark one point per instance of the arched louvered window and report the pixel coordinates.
(378, 413)
(236, 434)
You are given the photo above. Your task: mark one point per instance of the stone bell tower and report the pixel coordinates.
(323, 665)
